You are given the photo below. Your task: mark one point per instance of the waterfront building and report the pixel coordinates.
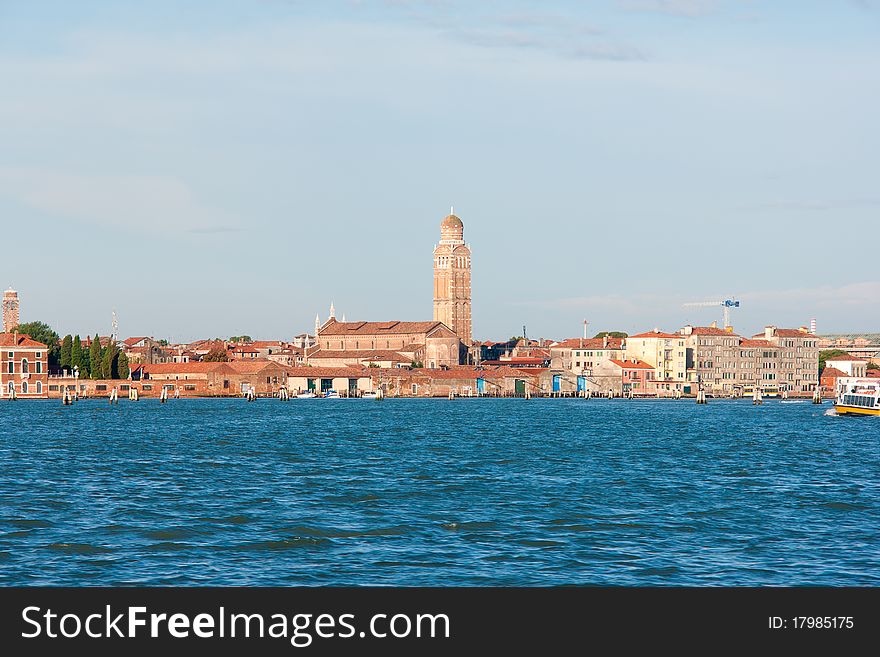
(10, 310)
(581, 356)
(724, 363)
(666, 353)
(850, 365)
(712, 358)
(452, 279)
(431, 344)
(623, 377)
(24, 367)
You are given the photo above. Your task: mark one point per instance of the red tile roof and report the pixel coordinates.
(659, 334)
(19, 340)
(833, 372)
(787, 333)
(846, 358)
(255, 365)
(630, 365)
(757, 343)
(332, 327)
(329, 372)
(711, 330)
(134, 341)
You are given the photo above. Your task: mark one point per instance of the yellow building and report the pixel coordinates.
(665, 352)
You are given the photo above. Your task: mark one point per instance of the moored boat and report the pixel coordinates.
(857, 396)
(306, 395)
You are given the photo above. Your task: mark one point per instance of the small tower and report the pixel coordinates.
(10, 310)
(452, 278)
(332, 311)
(317, 325)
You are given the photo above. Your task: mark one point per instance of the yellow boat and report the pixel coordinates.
(857, 396)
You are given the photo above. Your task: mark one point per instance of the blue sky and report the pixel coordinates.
(209, 168)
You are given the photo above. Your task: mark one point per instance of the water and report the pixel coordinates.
(433, 492)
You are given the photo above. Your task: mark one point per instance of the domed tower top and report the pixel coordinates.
(451, 228)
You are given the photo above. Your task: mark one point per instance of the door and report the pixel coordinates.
(481, 386)
(582, 383)
(557, 382)
(520, 386)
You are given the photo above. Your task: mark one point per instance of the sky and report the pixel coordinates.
(222, 167)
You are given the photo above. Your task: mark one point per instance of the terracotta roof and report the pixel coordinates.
(710, 330)
(659, 334)
(787, 333)
(255, 365)
(757, 343)
(849, 358)
(245, 349)
(328, 372)
(134, 341)
(265, 344)
(19, 340)
(519, 360)
(332, 327)
(630, 365)
(833, 372)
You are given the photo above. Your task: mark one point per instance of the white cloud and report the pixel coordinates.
(690, 8)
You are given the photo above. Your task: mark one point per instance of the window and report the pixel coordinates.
(39, 365)
(24, 387)
(39, 387)
(11, 367)
(101, 387)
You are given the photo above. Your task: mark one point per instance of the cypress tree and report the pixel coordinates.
(95, 358)
(122, 368)
(76, 355)
(107, 361)
(66, 348)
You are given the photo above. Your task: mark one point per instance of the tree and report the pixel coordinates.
(42, 332)
(76, 355)
(66, 348)
(122, 368)
(825, 354)
(612, 334)
(872, 365)
(95, 358)
(216, 355)
(107, 360)
(241, 338)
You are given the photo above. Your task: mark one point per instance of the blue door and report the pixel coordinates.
(481, 386)
(582, 383)
(557, 382)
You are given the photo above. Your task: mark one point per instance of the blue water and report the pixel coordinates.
(437, 492)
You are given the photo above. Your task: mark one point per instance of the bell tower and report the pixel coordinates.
(10, 310)
(452, 278)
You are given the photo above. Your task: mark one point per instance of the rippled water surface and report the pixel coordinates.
(437, 492)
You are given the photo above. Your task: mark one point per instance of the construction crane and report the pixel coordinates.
(726, 305)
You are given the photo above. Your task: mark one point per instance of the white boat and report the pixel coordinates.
(306, 395)
(331, 394)
(369, 395)
(857, 396)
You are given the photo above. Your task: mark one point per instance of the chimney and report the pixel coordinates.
(687, 330)
(768, 332)
(604, 341)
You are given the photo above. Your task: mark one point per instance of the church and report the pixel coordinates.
(442, 342)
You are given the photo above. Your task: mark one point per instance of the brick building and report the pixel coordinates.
(432, 344)
(24, 367)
